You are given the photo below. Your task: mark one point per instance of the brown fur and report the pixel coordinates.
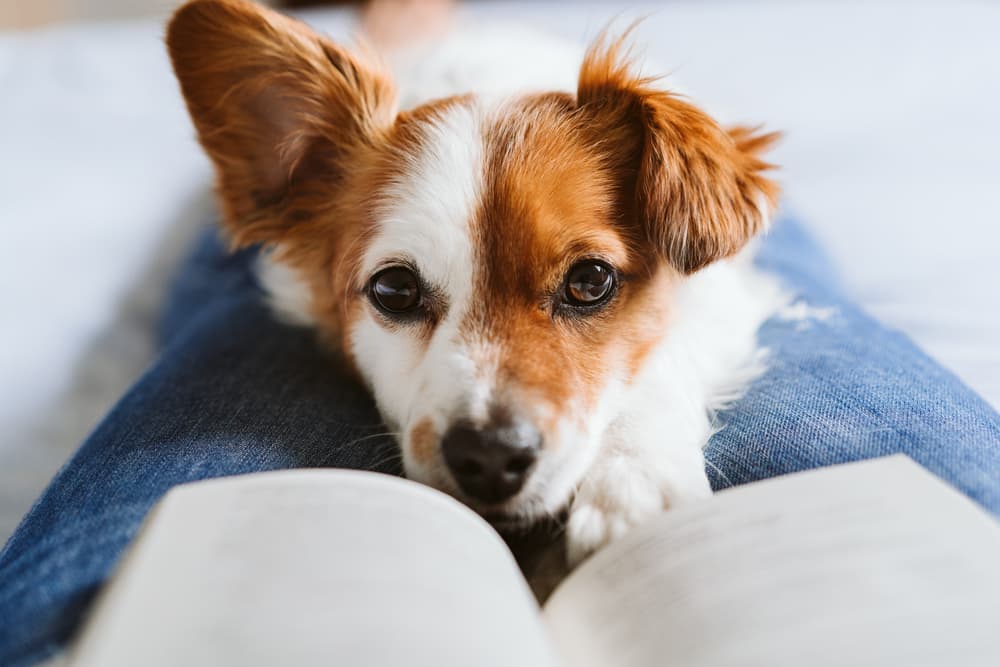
(551, 199)
(423, 442)
(281, 111)
(695, 186)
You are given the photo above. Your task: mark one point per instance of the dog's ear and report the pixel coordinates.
(279, 109)
(699, 191)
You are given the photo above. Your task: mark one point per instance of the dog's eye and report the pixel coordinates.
(589, 283)
(395, 290)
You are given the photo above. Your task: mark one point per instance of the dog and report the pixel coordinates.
(547, 292)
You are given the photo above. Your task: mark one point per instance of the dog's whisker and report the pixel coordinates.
(358, 427)
(398, 456)
(371, 436)
(356, 441)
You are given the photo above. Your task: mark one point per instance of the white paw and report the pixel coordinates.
(619, 494)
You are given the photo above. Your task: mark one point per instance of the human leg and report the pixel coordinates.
(841, 387)
(232, 392)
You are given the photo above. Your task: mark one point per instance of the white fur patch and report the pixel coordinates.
(651, 455)
(287, 294)
(425, 220)
(426, 214)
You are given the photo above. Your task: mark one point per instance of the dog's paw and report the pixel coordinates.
(620, 494)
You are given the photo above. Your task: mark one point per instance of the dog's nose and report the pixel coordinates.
(491, 464)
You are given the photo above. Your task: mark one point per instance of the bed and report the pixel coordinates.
(890, 158)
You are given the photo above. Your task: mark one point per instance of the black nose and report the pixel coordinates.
(491, 464)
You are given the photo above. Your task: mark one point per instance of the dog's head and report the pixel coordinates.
(497, 273)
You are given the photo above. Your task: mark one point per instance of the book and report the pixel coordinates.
(869, 563)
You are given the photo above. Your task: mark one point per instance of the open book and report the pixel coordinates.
(874, 563)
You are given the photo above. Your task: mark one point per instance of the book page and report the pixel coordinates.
(314, 568)
(873, 563)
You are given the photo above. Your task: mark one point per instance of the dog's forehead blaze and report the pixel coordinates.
(549, 199)
(379, 169)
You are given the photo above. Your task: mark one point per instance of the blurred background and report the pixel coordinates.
(891, 158)
(30, 13)
(33, 13)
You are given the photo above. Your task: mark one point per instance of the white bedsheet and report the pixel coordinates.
(891, 157)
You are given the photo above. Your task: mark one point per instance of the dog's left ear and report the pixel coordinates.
(280, 110)
(698, 190)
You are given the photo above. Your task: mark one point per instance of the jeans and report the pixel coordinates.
(233, 391)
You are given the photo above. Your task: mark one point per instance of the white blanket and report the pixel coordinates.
(891, 158)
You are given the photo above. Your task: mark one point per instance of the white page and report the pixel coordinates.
(874, 563)
(314, 568)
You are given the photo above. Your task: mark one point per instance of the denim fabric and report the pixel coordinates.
(842, 387)
(233, 392)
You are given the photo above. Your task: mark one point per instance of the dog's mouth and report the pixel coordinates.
(517, 515)
(506, 521)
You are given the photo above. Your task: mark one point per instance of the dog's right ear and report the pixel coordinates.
(279, 109)
(699, 192)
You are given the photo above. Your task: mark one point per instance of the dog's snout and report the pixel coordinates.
(492, 463)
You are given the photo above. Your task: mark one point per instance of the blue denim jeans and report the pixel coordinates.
(233, 392)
